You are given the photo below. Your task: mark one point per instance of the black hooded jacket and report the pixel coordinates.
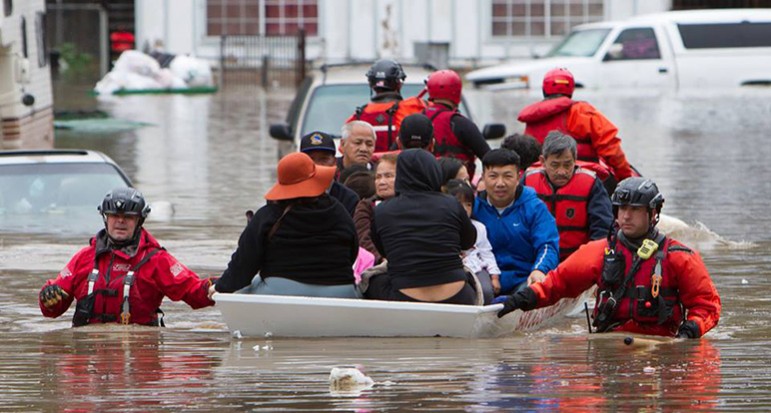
(421, 231)
(315, 243)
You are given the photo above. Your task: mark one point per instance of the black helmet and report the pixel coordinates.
(637, 191)
(126, 201)
(386, 74)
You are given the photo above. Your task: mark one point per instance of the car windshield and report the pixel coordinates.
(54, 197)
(331, 105)
(580, 43)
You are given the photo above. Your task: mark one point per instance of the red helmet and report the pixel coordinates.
(559, 82)
(444, 84)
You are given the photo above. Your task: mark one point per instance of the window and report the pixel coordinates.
(634, 44)
(40, 33)
(580, 43)
(8, 7)
(542, 18)
(261, 17)
(24, 50)
(703, 36)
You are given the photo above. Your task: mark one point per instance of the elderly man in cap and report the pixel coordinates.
(321, 148)
(302, 242)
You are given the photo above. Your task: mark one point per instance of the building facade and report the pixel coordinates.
(470, 33)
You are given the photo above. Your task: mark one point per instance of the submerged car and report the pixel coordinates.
(329, 95)
(55, 191)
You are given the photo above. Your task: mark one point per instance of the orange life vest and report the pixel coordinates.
(552, 114)
(386, 117)
(568, 205)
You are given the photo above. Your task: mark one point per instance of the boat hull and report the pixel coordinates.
(290, 316)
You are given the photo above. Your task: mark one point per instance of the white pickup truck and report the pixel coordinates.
(671, 50)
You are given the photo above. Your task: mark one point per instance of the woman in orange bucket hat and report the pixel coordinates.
(302, 242)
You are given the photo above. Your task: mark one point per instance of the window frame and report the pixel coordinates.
(569, 20)
(261, 18)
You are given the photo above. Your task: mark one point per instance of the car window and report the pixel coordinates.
(44, 197)
(331, 105)
(580, 43)
(720, 35)
(635, 44)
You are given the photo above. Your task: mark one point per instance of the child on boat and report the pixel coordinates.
(479, 259)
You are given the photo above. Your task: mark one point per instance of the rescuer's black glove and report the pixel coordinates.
(52, 295)
(688, 329)
(524, 300)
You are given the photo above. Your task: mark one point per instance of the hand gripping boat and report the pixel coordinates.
(291, 316)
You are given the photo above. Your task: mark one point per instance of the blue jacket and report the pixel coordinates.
(524, 237)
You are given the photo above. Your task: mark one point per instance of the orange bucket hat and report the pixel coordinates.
(299, 177)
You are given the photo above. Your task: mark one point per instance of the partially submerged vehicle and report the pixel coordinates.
(667, 51)
(55, 191)
(330, 94)
(251, 315)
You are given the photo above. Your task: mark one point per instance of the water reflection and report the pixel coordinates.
(210, 156)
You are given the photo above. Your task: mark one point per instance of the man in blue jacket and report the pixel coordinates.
(519, 226)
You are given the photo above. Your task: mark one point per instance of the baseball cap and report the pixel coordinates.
(416, 131)
(317, 141)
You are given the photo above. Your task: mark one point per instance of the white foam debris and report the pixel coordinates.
(268, 334)
(237, 334)
(649, 370)
(744, 281)
(349, 378)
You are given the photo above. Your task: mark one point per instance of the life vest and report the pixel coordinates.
(567, 204)
(639, 309)
(386, 117)
(552, 114)
(447, 143)
(85, 313)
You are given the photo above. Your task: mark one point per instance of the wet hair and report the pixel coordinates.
(557, 142)
(500, 157)
(346, 172)
(460, 189)
(526, 146)
(361, 182)
(450, 168)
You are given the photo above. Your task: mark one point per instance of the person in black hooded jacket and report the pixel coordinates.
(421, 232)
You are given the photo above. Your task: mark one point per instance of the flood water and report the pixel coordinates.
(211, 158)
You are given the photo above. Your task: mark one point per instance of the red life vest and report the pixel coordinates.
(112, 299)
(386, 117)
(552, 114)
(447, 143)
(567, 204)
(637, 310)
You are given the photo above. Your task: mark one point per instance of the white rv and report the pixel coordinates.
(671, 50)
(26, 103)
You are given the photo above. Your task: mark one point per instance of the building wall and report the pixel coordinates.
(368, 29)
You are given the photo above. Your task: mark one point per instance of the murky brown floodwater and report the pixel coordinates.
(211, 158)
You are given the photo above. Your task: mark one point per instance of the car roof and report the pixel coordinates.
(53, 156)
(688, 16)
(354, 73)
